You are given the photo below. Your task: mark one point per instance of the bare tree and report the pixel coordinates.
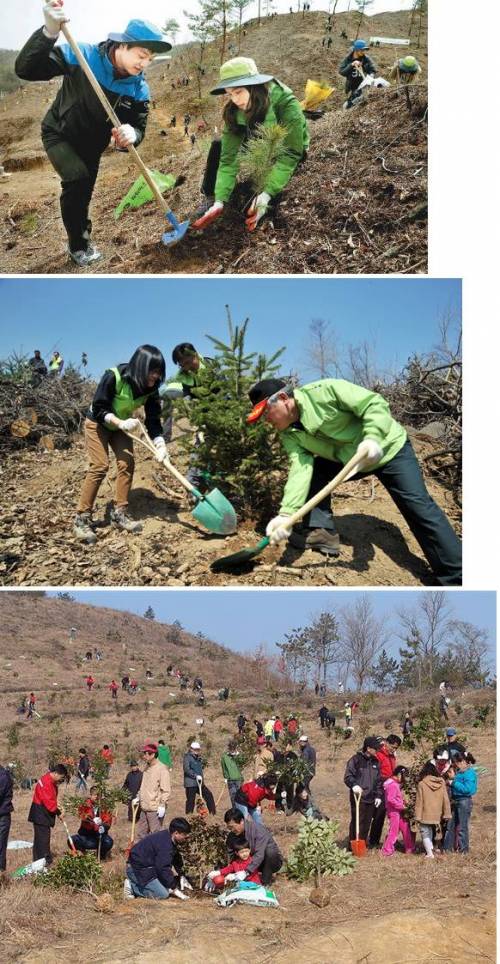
(322, 350)
(364, 636)
(361, 5)
(470, 645)
(323, 643)
(294, 656)
(429, 623)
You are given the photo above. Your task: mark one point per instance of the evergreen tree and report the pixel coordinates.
(383, 674)
(150, 613)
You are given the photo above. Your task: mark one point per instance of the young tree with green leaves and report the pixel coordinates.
(172, 28)
(362, 6)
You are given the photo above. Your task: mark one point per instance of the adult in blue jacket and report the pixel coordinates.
(463, 788)
(154, 867)
(193, 779)
(76, 129)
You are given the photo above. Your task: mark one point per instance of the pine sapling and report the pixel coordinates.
(261, 153)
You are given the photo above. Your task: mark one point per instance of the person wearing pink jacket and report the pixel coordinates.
(394, 806)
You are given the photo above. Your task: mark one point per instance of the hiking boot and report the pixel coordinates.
(83, 528)
(319, 540)
(205, 205)
(122, 521)
(127, 890)
(85, 258)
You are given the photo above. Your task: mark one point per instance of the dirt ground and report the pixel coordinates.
(396, 910)
(41, 490)
(357, 205)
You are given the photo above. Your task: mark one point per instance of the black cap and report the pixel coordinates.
(372, 743)
(261, 392)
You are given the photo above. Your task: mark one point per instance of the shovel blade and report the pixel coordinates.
(178, 230)
(216, 513)
(239, 558)
(358, 848)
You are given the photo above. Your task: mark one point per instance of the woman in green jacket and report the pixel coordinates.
(120, 392)
(253, 99)
(322, 426)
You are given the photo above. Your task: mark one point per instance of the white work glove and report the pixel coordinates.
(54, 17)
(129, 424)
(161, 811)
(101, 829)
(135, 802)
(124, 135)
(161, 448)
(209, 886)
(213, 874)
(97, 821)
(373, 452)
(178, 893)
(257, 210)
(357, 789)
(212, 214)
(377, 802)
(239, 875)
(278, 530)
(184, 883)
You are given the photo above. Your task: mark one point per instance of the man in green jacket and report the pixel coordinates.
(164, 754)
(256, 101)
(231, 771)
(323, 425)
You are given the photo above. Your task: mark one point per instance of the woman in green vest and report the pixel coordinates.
(254, 99)
(120, 392)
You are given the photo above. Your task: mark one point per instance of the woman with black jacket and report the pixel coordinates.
(76, 130)
(120, 392)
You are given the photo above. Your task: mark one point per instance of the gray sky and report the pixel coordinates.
(92, 20)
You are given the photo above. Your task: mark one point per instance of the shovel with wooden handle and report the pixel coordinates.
(244, 555)
(219, 798)
(73, 849)
(358, 847)
(202, 807)
(213, 510)
(135, 810)
(178, 229)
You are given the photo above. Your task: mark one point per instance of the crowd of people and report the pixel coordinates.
(282, 772)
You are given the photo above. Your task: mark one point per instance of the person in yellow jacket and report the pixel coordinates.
(254, 100)
(120, 392)
(322, 426)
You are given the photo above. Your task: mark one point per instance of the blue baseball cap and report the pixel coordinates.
(360, 45)
(142, 33)
(451, 732)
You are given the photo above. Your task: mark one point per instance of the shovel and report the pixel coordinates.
(202, 807)
(135, 809)
(213, 510)
(358, 847)
(73, 849)
(244, 555)
(178, 230)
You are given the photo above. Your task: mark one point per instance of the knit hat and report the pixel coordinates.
(240, 72)
(142, 33)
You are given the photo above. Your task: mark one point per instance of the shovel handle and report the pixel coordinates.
(147, 443)
(357, 801)
(115, 120)
(350, 468)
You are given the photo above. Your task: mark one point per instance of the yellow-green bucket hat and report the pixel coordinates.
(239, 72)
(409, 65)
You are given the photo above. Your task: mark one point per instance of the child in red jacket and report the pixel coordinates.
(394, 807)
(236, 867)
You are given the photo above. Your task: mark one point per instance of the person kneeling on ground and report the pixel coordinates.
(235, 871)
(154, 867)
(255, 100)
(94, 827)
(119, 393)
(394, 807)
(323, 425)
(76, 130)
(266, 857)
(249, 796)
(303, 804)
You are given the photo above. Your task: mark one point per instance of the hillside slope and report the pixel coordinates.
(357, 205)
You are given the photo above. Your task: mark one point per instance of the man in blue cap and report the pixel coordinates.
(76, 129)
(356, 66)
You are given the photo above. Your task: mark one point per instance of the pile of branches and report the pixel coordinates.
(44, 411)
(428, 398)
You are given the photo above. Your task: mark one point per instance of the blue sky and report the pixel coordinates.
(242, 619)
(108, 318)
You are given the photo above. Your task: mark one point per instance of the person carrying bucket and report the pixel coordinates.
(254, 100)
(76, 130)
(356, 66)
(120, 392)
(323, 425)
